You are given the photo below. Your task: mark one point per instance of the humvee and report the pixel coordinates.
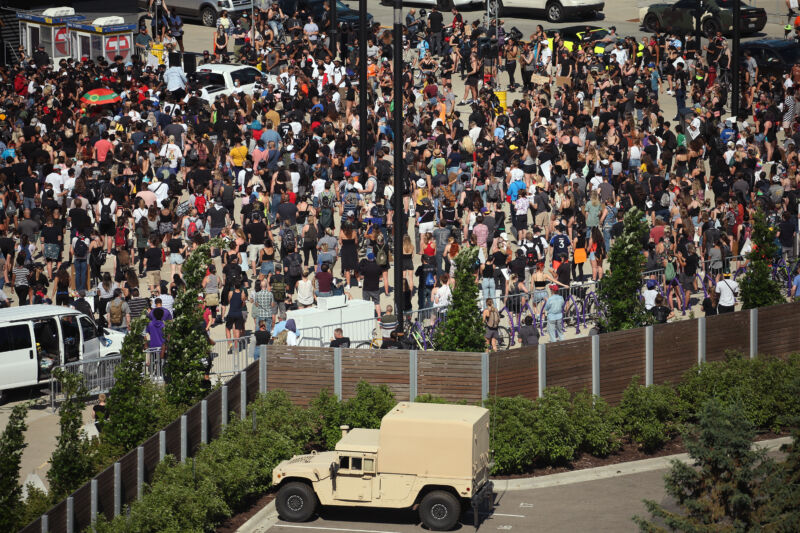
(432, 456)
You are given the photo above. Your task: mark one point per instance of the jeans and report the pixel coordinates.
(680, 101)
(554, 326)
(423, 297)
(487, 288)
(436, 43)
(80, 274)
(28, 203)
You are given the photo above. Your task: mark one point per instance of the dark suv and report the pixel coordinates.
(773, 56)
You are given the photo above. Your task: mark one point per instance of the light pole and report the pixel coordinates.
(334, 18)
(397, 197)
(362, 82)
(735, 64)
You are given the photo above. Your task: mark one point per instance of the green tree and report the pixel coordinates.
(131, 403)
(619, 291)
(719, 491)
(462, 330)
(12, 443)
(187, 346)
(781, 490)
(71, 462)
(758, 289)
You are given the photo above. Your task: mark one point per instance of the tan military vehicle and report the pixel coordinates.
(432, 456)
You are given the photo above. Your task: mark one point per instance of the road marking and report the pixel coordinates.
(505, 527)
(335, 528)
(511, 515)
(523, 504)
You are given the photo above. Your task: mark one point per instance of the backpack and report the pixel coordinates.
(327, 201)
(669, 272)
(430, 279)
(493, 192)
(191, 229)
(493, 320)
(115, 312)
(281, 338)
(382, 258)
(289, 239)
(279, 290)
(105, 212)
(81, 249)
(99, 256)
(383, 169)
(119, 237)
(295, 269)
(326, 216)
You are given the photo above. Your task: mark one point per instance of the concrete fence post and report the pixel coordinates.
(45, 524)
(224, 400)
(162, 445)
(412, 375)
(184, 438)
(701, 340)
(242, 394)
(70, 515)
(753, 333)
(485, 376)
(337, 372)
(204, 421)
(596, 365)
(648, 355)
(139, 472)
(93, 502)
(542, 369)
(262, 369)
(117, 488)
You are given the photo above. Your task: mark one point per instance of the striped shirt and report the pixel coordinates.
(21, 279)
(263, 304)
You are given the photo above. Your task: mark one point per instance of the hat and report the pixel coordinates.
(421, 182)
(651, 284)
(370, 256)
(553, 287)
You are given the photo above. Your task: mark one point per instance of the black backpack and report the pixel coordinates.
(326, 216)
(81, 249)
(105, 211)
(289, 239)
(295, 269)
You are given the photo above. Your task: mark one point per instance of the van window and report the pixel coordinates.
(344, 463)
(369, 465)
(355, 463)
(246, 76)
(89, 331)
(16, 337)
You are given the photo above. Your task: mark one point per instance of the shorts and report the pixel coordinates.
(472, 81)
(234, 323)
(539, 295)
(108, 229)
(492, 333)
(373, 296)
(52, 252)
(543, 220)
(426, 227)
(175, 259)
(254, 250)
(155, 277)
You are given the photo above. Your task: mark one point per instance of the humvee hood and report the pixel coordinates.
(315, 466)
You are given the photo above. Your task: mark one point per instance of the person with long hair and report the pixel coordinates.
(597, 252)
(61, 287)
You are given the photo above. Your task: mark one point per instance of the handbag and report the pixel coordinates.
(212, 299)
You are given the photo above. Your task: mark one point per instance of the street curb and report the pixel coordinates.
(609, 471)
(262, 521)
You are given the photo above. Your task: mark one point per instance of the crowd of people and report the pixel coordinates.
(109, 200)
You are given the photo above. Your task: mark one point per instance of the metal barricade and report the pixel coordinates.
(98, 376)
(230, 356)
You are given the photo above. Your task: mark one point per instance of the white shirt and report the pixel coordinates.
(620, 55)
(54, 179)
(318, 187)
(171, 152)
(160, 189)
(175, 78)
(138, 213)
(650, 298)
(727, 289)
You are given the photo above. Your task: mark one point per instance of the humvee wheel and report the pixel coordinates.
(439, 510)
(296, 502)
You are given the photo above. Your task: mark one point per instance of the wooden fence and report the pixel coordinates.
(602, 364)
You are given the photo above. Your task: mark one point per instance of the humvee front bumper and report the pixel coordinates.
(483, 497)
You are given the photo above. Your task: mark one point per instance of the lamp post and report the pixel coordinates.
(362, 82)
(397, 197)
(334, 30)
(735, 63)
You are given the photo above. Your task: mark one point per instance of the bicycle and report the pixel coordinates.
(374, 343)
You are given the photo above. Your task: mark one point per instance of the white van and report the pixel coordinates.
(35, 338)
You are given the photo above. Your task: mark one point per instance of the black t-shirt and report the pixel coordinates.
(51, 234)
(436, 22)
(256, 231)
(262, 337)
(217, 216)
(563, 273)
(372, 275)
(175, 245)
(79, 217)
(343, 342)
(288, 211)
(153, 256)
(29, 186)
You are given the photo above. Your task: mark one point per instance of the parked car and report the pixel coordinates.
(207, 11)
(717, 16)
(773, 56)
(554, 10)
(344, 15)
(219, 79)
(35, 338)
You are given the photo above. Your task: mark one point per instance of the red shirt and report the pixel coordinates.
(103, 146)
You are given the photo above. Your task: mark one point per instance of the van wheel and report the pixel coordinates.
(296, 502)
(555, 13)
(208, 16)
(439, 510)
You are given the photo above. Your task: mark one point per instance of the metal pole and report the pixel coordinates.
(735, 63)
(334, 27)
(697, 29)
(399, 229)
(362, 82)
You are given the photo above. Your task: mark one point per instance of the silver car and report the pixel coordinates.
(206, 10)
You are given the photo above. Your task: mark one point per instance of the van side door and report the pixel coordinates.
(18, 361)
(354, 478)
(91, 342)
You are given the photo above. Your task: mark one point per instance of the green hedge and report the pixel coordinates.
(230, 473)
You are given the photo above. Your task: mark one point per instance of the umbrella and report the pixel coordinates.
(100, 97)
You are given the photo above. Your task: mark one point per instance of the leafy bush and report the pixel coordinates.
(651, 415)
(554, 431)
(512, 439)
(599, 424)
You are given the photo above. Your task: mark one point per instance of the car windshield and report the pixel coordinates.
(790, 54)
(728, 4)
(598, 34)
(204, 78)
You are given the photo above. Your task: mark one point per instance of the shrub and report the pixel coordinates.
(325, 412)
(651, 415)
(556, 435)
(599, 424)
(368, 407)
(512, 439)
(12, 444)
